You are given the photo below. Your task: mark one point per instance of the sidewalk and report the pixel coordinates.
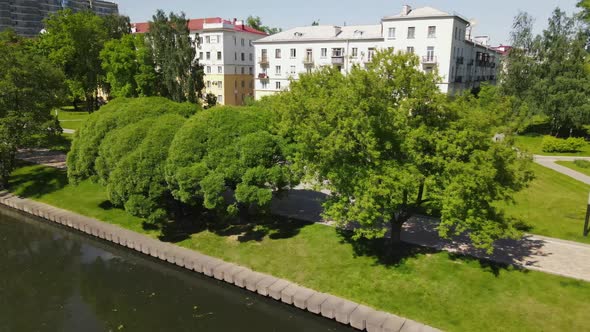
(549, 162)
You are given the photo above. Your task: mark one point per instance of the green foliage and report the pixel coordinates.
(117, 114)
(379, 139)
(256, 23)
(582, 163)
(571, 144)
(30, 87)
(73, 42)
(174, 53)
(228, 148)
(210, 100)
(129, 67)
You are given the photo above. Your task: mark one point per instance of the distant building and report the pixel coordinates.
(439, 39)
(226, 52)
(26, 16)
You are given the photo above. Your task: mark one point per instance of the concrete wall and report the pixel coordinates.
(346, 312)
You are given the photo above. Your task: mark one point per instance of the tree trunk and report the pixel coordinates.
(420, 193)
(395, 238)
(243, 213)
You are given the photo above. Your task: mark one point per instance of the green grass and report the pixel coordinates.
(449, 292)
(554, 205)
(71, 120)
(532, 144)
(572, 165)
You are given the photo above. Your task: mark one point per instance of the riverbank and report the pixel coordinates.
(343, 311)
(445, 290)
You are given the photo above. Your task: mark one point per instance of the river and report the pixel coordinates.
(54, 279)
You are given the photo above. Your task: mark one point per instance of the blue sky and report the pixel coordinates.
(494, 17)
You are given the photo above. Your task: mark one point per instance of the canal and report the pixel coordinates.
(53, 279)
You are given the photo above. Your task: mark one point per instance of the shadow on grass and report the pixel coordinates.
(38, 182)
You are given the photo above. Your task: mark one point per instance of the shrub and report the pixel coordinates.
(572, 144)
(582, 163)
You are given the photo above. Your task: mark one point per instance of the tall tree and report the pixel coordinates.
(30, 87)
(174, 53)
(384, 141)
(256, 23)
(73, 41)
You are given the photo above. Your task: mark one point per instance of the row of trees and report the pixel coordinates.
(547, 74)
(384, 141)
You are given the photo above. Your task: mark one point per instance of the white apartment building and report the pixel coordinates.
(226, 52)
(440, 39)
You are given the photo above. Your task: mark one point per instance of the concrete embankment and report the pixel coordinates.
(346, 312)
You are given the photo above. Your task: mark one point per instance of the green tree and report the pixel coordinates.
(315, 23)
(73, 42)
(256, 23)
(174, 53)
(228, 149)
(129, 67)
(385, 142)
(584, 5)
(117, 26)
(30, 87)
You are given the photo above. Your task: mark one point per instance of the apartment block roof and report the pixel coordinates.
(199, 24)
(421, 13)
(326, 33)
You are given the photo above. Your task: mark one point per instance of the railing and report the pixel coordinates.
(429, 59)
(337, 60)
(262, 76)
(263, 61)
(308, 61)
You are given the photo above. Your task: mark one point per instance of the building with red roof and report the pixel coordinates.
(225, 49)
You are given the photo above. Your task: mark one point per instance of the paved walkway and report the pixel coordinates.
(550, 162)
(534, 252)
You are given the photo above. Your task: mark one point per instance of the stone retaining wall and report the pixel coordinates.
(346, 312)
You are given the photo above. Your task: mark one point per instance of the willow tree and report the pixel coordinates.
(388, 145)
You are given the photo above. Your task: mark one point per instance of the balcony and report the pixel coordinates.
(337, 59)
(263, 61)
(263, 77)
(460, 60)
(429, 60)
(308, 61)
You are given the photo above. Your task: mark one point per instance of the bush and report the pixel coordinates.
(582, 163)
(572, 144)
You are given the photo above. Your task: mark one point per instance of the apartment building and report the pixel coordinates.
(26, 16)
(440, 39)
(226, 51)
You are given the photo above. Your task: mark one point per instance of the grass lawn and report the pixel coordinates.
(572, 165)
(532, 144)
(449, 292)
(71, 120)
(554, 205)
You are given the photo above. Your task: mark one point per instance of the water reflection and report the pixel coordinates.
(56, 280)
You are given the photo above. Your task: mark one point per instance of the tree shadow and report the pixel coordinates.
(38, 181)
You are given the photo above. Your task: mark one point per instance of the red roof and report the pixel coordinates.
(197, 24)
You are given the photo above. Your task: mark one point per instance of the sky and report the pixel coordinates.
(494, 17)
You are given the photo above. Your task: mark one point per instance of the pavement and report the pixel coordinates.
(549, 162)
(533, 252)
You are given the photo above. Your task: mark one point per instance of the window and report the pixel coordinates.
(250, 42)
(251, 57)
(236, 56)
(264, 84)
(243, 70)
(430, 54)
(293, 53)
(235, 41)
(208, 55)
(218, 55)
(411, 32)
(200, 40)
(410, 49)
(214, 39)
(209, 84)
(208, 69)
(243, 84)
(355, 52)
(219, 70)
(251, 71)
(277, 53)
(456, 34)
(371, 53)
(220, 84)
(243, 42)
(278, 70)
(324, 52)
(293, 70)
(243, 57)
(431, 32)
(337, 52)
(220, 99)
(278, 85)
(391, 33)
(208, 40)
(200, 55)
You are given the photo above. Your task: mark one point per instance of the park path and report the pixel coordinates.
(533, 252)
(550, 162)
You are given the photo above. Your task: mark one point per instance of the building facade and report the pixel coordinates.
(441, 41)
(226, 51)
(26, 16)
